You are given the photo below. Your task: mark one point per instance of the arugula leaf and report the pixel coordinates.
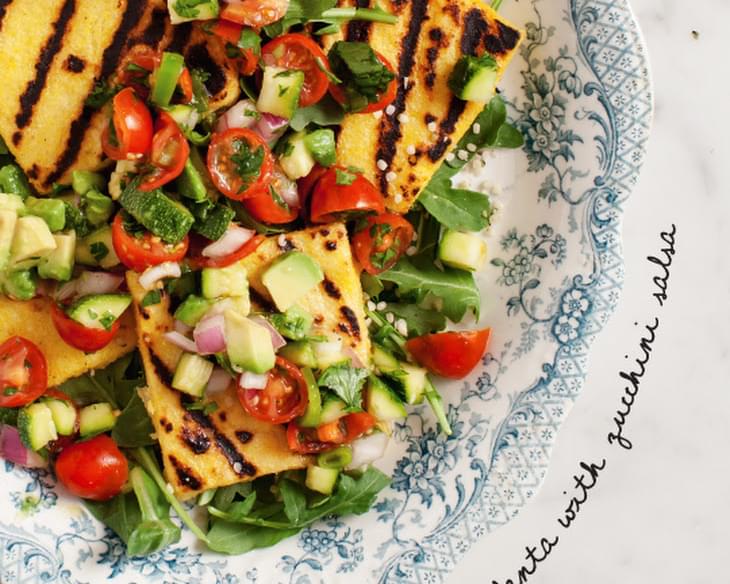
(456, 289)
(464, 210)
(325, 11)
(421, 321)
(326, 112)
(134, 427)
(295, 502)
(346, 381)
(232, 538)
(116, 384)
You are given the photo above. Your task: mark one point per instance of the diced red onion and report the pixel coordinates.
(232, 240)
(210, 335)
(355, 360)
(151, 276)
(182, 328)
(13, 449)
(270, 127)
(242, 115)
(219, 381)
(276, 339)
(89, 283)
(368, 449)
(180, 340)
(250, 380)
(286, 188)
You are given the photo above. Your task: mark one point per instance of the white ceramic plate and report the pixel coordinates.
(580, 92)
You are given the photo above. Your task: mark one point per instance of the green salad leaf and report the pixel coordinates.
(420, 321)
(116, 384)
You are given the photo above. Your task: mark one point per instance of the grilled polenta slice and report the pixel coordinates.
(402, 148)
(53, 54)
(202, 451)
(32, 320)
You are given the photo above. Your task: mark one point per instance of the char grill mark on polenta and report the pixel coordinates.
(3, 9)
(35, 87)
(359, 30)
(390, 125)
(185, 474)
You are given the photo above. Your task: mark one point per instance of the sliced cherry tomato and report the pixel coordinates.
(140, 253)
(306, 185)
(138, 63)
(94, 469)
(255, 13)
(77, 335)
(346, 429)
(382, 241)
(170, 151)
(452, 354)
(132, 123)
(186, 85)
(386, 98)
(269, 206)
(284, 398)
(304, 440)
(240, 163)
(23, 372)
(199, 261)
(231, 33)
(301, 53)
(341, 191)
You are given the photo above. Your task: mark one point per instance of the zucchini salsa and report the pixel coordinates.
(250, 273)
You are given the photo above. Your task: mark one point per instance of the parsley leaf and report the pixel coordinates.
(99, 250)
(344, 177)
(364, 77)
(101, 93)
(189, 8)
(294, 324)
(247, 162)
(346, 382)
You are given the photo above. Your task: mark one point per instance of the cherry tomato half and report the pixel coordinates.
(132, 123)
(240, 163)
(301, 53)
(382, 241)
(199, 261)
(305, 440)
(23, 372)
(77, 335)
(231, 33)
(346, 429)
(255, 13)
(386, 98)
(269, 206)
(94, 469)
(452, 354)
(170, 151)
(341, 191)
(140, 253)
(284, 398)
(306, 185)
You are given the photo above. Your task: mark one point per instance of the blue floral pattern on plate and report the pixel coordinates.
(581, 95)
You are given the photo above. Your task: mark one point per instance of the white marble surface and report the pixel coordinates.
(660, 512)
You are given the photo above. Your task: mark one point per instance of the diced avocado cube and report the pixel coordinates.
(99, 311)
(192, 310)
(8, 220)
(59, 264)
(475, 78)
(312, 415)
(321, 480)
(290, 277)
(230, 281)
(32, 240)
(97, 208)
(10, 202)
(295, 323)
(322, 145)
(187, 10)
(83, 181)
(192, 374)
(21, 284)
(464, 251)
(13, 180)
(96, 419)
(296, 159)
(300, 353)
(97, 249)
(280, 92)
(52, 211)
(35, 426)
(64, 416)
(382, 403)
(163, 216)
(249, 344)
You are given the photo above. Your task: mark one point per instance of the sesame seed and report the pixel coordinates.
(398, 199)
(169, 489)
(390, 317)
(462, 155)
(432, 127)
(415, 236)
(378, 114)
(368, 321)
(403, 118)
(237, 467)
(381, 306)
(405, 81)
(471, 147)
(371, 305)
(476, 128)
(390, 110)
(281, 240)
(450, 157)
(411, 251)
(411, 150)
(391, 176)
(402, 327)
(382, 165)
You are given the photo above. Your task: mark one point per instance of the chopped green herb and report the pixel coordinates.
(344, 177)
(151, 298)
(99, 250)
(347, 382)
(247, 162)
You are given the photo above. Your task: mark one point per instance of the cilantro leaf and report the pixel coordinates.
(346, 382)
(247, 162)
